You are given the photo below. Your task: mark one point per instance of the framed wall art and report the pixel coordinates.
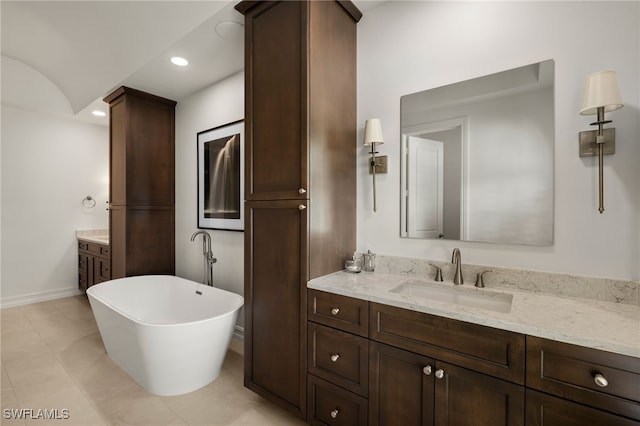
(221, 177)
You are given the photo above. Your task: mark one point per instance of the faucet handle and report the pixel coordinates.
(438, 276)
(480, 279)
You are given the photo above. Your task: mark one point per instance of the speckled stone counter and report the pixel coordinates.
(604, 325)
(100, 236)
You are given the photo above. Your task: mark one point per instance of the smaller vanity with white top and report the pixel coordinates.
(94, 257)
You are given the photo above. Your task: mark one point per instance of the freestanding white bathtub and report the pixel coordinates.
(170, 334)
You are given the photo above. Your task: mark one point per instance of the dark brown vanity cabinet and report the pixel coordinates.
(300, 181)
(338, 360)
(141, 189)
(442, 371)
(94, 263)
(581, 386)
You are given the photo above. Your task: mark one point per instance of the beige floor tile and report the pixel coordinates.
(102, 376)
(5, 382)
(21, 342)
(82, 353)
(53, 358)
(267, 414)
(132, 405)
(12, 319)
(10, 402)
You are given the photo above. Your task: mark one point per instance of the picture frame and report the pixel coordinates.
(221, 177)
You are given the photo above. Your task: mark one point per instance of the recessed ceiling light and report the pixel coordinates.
(181, 62)
(98, 113)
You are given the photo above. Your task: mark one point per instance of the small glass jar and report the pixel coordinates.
(369, 263)
(353, 265)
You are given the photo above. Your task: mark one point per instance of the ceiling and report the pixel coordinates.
(63, 57)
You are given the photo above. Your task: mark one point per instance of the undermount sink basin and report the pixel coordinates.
(498, 302)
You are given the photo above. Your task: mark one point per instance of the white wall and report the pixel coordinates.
(214, 106)
(49, 164)
(405, 47)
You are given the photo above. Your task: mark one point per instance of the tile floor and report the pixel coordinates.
(53, 358)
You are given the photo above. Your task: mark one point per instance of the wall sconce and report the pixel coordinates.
(373, 136)
(601, 94)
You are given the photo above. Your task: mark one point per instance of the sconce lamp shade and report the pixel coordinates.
(373, 132)
(601, 90)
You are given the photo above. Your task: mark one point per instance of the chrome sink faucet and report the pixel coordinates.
(457, 278)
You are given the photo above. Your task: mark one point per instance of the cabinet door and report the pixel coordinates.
(275, 301)
(401, 391)
(85, 271)
(276, 99)
(466, 398)
(547, 410)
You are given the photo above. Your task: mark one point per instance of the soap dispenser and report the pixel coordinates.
(369, 263)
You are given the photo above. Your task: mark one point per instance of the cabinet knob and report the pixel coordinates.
(335, 311)
(302, 191)
(439, 373)
(600, 380)
(334, 413)
(427, 370)
(302, 207)
(335, 357)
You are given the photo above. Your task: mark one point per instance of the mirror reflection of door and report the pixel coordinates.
(425, 175)
(433, 172)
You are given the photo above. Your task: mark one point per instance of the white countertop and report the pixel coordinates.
(100, 236)
(608, 326)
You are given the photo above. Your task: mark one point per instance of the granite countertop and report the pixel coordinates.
(100, 236)
(608, 326)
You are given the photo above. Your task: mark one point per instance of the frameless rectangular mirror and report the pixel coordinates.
(477, 159)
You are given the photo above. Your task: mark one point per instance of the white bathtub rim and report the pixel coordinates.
(239, 302)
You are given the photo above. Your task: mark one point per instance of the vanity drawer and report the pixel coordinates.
(570, 371)
(328, 404)
(339, 357)
(495, 352)
(342, 312)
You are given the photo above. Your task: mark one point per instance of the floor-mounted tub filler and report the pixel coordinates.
(170, 334)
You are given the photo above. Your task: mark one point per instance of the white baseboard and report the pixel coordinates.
(43, 296)
(237, 341)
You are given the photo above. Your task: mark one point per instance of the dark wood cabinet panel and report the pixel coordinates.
(488, 350)
(547, 410)
(300, 151)
(275, 271)
(331, 405)
(142, 181)
(339, 357)
(341, 312)
(276, 100)
(569, 371)
(411, 389)
(400, 392)
(467, 398)
(94, 264)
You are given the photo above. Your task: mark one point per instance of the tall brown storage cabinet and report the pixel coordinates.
(300, 127)
(141, 189)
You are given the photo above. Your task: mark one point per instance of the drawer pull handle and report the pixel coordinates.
(335, 311)
(334, 357)
(302, 207)
(439, 373)
(600, 380)
(427, 370)
(302, 191)
(334, 413)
